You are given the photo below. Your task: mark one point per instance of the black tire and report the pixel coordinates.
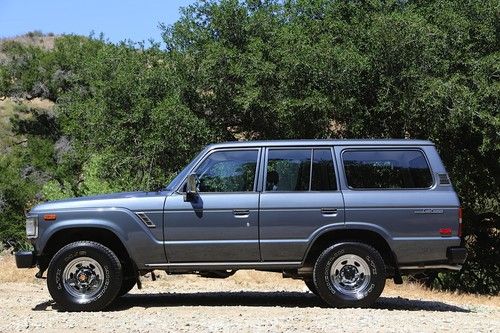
(312, 287)
(128, 284)
(357, 279)
(88, 259)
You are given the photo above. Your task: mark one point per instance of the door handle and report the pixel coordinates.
(241, 213)
(329, 211)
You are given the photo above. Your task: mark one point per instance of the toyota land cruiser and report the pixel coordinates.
(342, 215)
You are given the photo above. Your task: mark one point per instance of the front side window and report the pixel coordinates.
(228, 171)
(386, 169)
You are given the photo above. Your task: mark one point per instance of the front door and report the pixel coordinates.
(221, 223)
(300, 199)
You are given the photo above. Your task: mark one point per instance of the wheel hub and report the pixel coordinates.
(83, 277)
(350, 274)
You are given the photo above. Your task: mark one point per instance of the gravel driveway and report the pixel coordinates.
(246, 302)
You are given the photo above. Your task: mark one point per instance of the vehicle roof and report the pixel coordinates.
(322, 142)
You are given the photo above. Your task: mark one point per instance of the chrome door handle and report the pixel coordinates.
(329, 211)
(241, 213)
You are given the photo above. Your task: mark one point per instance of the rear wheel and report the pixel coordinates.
(349, 275)
(84, 276)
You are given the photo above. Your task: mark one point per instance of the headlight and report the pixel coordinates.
(32, 226)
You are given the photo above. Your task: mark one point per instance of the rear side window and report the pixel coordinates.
(386, 169)
(323, 175)
(290, 170)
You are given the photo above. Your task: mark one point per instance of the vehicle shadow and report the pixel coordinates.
(257, 299)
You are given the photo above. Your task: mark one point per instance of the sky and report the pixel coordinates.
(117, 19)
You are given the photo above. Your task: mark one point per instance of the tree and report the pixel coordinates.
(131, 116)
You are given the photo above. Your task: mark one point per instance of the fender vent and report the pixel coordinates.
(443, 179)
(147, 221)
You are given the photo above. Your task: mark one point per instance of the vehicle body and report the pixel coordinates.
(343, 215)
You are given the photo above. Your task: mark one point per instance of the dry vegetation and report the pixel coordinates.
(249, 301)
(8, 109)
(39, 39)
(6, 112)
(253, 280)
(35, 39)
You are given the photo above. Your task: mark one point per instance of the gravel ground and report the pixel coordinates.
(248, 301)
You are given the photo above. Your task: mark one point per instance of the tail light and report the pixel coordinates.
(445, 231)
(460, 222)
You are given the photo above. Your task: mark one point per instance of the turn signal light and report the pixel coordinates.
(49, 217)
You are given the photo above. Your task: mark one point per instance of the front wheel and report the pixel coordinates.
(349, 274)
(84, 276)
(128, 284)
(311, 286)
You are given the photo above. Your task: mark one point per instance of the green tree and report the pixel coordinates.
(129, 117)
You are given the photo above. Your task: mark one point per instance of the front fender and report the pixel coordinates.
(138, 239)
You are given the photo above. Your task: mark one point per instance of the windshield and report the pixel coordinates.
(183, 174)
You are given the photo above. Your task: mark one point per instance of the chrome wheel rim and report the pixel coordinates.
(350, 275)
(83, 277)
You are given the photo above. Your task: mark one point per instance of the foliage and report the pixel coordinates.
(16, 195)
(129, 117)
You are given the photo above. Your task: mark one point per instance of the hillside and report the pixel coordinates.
(45, 41)
(10, 108)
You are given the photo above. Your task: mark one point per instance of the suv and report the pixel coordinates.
(342, 215)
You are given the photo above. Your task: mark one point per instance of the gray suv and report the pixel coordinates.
(342, 215)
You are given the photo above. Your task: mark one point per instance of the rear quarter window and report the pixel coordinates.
(386, 169)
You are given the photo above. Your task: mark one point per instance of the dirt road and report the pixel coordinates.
(246, 302)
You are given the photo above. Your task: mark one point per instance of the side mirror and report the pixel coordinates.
(191, 187)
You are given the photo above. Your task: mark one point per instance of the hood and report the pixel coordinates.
(123, 200)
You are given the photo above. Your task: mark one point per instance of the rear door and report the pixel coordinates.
(300, 196)
(393, 191)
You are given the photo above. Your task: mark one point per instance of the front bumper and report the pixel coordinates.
(25, 259)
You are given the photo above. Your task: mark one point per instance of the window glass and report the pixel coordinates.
(228, 171)
(386, 169)
(323, 174)
(288, 170)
